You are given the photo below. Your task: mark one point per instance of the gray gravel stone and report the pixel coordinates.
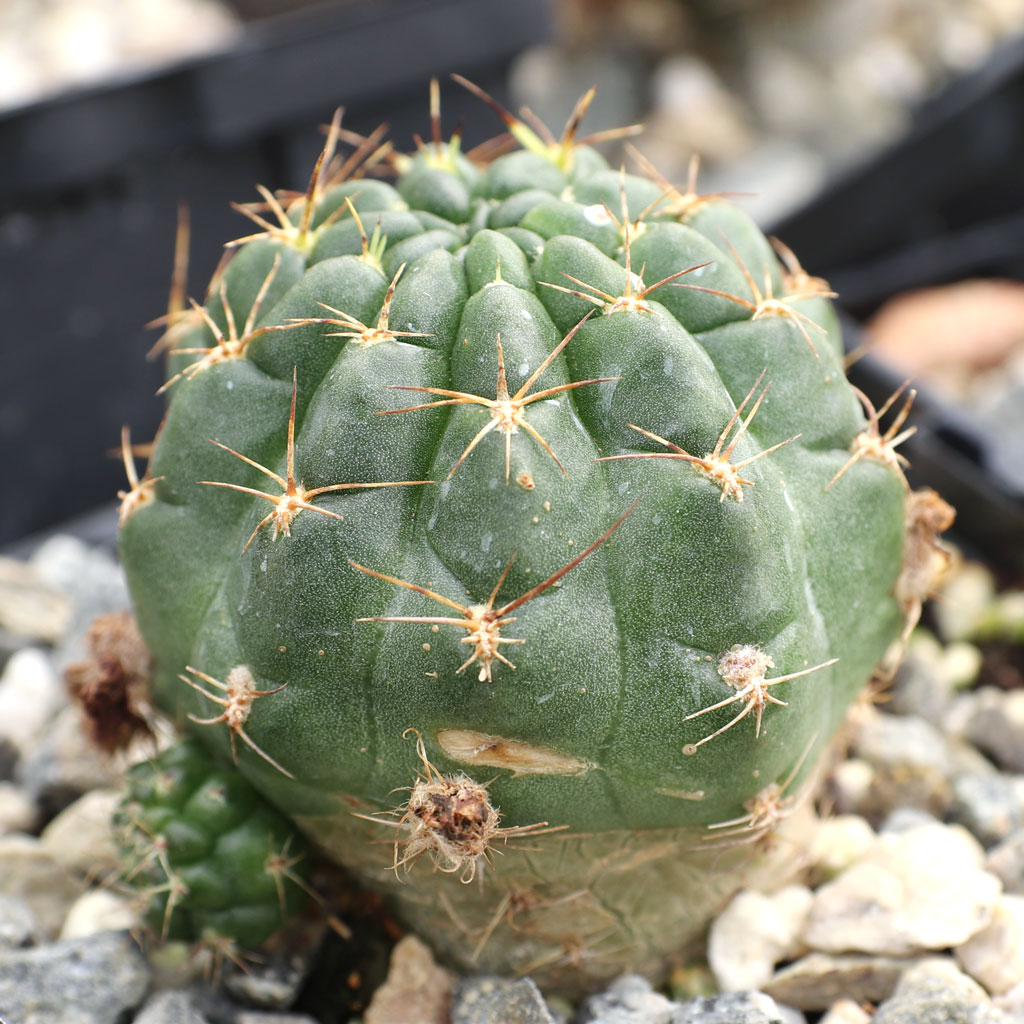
(1006, 862)
(629, 1000)
(935, 992)
(734, 1008)
(89, 981)
(259, 1017)
(993, 720)
(172, 1006)
(991, 807)
(89, 576)
(498, 1001)
(817, 980)
(18, 924)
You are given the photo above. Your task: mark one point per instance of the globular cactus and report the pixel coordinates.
(517, 521)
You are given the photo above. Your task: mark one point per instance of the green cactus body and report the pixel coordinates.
(372, 610)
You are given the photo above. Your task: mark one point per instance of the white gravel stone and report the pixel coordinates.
(916, 890)
(1012, 1002)
(851, 783)
(995, 955)
(839, 842)
(29, 872)
(755, 932)
(99, 910)
(81, 836)
(846, 1011)
(17, 811)
(31, 694)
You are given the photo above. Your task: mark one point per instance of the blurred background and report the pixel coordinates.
(883, 140)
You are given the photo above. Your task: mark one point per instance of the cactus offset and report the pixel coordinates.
(619, 572)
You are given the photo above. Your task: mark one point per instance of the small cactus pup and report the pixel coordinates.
(514, 531)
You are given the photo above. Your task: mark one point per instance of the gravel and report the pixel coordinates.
(910, 909)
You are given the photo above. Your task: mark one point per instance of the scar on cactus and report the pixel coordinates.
(239, 694)
(482, 621)
(233, 344)
(871, 443)
(507, 412)
(295, 497)
(359, 332)
(140, 490)
(743, 667)
(716, 465)
(451, 818)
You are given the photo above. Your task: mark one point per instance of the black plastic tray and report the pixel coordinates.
(89, 185)
(944, 203)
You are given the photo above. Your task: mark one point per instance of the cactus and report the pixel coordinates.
(517, 521)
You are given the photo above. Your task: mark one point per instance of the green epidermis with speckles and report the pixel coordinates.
(623, 648)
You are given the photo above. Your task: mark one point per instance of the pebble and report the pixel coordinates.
(171, 1006)
(98, 980)
(89, 576)
(990, 806)
(29, 872)
(414, 979)
(65, 764)
(18, 925)
(99, 910)
(273, 981)
(30, 610)
(930, 675)
(995, 955)
(837, 843)
(81, 836)
(936, 992)
(258, 1017)
(846, 1011)
(17, 810)
(916, 890)
(628, 1000)
(993, 720)
(482, 1000)
(755, 932)
(31, 693)
(734, 1008)
(816, 981)
(1006, 862)
(632, 1000)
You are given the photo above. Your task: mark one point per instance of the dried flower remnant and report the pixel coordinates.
(451, 818)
